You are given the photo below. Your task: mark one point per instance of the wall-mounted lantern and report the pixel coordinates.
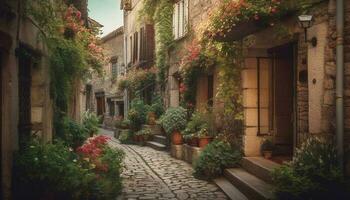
(305, 22)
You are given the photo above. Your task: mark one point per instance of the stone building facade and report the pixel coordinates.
(198, 12)
(101, 92)
(25, 103)
(139, 41)
(290, 102)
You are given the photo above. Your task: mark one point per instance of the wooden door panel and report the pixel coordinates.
(284, 96)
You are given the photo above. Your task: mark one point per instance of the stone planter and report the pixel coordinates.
(190, 154)
(176, 151)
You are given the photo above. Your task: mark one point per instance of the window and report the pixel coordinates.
(180, 19)
(114, 68)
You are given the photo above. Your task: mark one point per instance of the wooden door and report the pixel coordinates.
(100, 105)
(283, 95)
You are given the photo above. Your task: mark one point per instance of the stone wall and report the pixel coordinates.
(198, 12)
(41, 110)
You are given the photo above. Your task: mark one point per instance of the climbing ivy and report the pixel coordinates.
(73, 50)
(160, 12)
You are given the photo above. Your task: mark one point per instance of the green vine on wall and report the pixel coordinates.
(160, 12)
(73, 50)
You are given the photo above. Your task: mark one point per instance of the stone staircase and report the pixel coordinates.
(251, 181)
(159, 141)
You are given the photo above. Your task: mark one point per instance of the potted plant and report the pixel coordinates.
(205, 136)
(267, 147)
(173, 121)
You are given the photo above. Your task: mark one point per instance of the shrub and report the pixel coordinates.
(137, 114)
(123, 124)
(42, 169)
(125, 137)
(217, 156)
(313, 174)
(267, 145)
(90, 122)
(157, 107)
(106, 163)
(74, 133)
(174, 119)
(201, 124)
(146, 133)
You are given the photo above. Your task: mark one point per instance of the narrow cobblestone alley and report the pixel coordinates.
(151, 174)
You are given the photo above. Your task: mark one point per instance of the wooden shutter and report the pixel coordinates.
(186, 8)
(181, 18)
(149, 43)
(142, 44)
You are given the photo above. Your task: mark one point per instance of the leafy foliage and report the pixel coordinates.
(73, 49)
(201, 124)
(74, 133)
(313, 174)
(90, 122)
(217, 156)
(125, 137)
(137, 80)
(157, 106)
(50, 168)
(174, 119)
(160, 12)
(137, 114)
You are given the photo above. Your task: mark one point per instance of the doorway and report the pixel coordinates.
(283, 97)
(100, 101)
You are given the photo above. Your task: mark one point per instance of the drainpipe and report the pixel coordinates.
(340, 82)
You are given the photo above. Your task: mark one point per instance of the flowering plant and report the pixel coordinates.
(138, 79)
(93, 147)
(231, 13)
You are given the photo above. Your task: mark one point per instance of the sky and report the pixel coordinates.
(107, 13)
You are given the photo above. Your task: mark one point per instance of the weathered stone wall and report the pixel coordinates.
(41, 103)
(198, 12)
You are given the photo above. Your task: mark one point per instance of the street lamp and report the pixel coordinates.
(305, 22)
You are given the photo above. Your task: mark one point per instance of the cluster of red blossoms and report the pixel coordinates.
(93, 147)
(182, 88)
(92, 151)
(73, 19)
(192, 54)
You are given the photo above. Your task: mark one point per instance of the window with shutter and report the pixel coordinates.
(180, 19)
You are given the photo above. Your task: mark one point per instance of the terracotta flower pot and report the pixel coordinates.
(204, 141)
(136, 138)
(176, 138)
(267, 154)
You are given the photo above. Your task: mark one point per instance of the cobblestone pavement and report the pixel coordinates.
(151, 174)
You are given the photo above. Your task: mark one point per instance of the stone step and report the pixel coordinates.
(160, 139)
(248, 184)
(156, 129)
(156, 145)
(259, 167)
(230, 190)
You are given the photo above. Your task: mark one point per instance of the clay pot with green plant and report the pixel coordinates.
(267, 148)
(205, 136)
(174, 121)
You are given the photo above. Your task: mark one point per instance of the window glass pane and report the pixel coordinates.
(264, 94)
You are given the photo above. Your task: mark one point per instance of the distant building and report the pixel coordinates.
(102, 95)
(138, 42)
